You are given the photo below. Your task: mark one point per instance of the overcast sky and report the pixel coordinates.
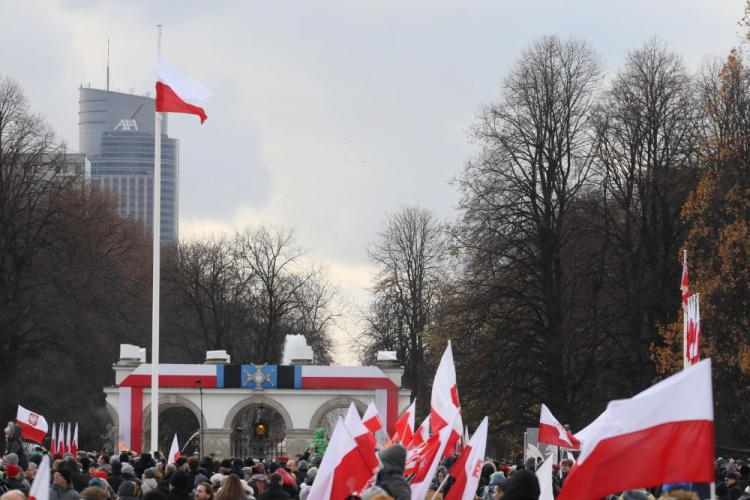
(327, 114)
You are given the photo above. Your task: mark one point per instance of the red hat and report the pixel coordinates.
(12, 470)
(100, 473)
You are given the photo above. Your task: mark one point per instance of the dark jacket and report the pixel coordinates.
(275, 492)
(16, 446)
(391, 476)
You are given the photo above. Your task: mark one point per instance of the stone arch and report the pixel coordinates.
(112, 412)
(257, 400)
(332, 404)
(171, 401)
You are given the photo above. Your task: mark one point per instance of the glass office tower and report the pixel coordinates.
(116, 133)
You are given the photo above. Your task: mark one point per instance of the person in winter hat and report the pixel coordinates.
(304, 488)
(128, 491)
(149, 480)
(522, 485)
(275, 490)
(62, 489)
(180, 486)
(391, 475)
(15, 445)
(14, 479)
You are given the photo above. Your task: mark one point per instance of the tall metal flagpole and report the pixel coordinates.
(156, 269)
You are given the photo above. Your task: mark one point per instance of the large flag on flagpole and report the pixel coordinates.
(693, 334)
(665, 434)
(177, 93)
(33, 426)
(41, 486)
(685, 292)
(468, 467)
(67, 439)
(552, 432)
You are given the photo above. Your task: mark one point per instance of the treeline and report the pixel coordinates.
(75, 282)
(559, 280)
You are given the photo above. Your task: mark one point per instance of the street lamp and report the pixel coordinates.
(200, 390)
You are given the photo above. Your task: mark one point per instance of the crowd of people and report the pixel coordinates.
(131, 476)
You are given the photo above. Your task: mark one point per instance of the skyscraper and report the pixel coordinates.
(116, 133)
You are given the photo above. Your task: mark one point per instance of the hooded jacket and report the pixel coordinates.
(15, 445)
(391, 476)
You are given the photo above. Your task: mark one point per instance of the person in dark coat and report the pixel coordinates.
(15, 445)
(62, 489)
(391, 476)
(14, 479)
(522, 485)
(275, 490)
(115, 478)
(180, 486)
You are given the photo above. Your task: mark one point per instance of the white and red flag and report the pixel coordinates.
(429, 456)
(421, 434)
(362, 435)
(444, 399)
(371, 419)
(344, 470)
(61, 439)
(177, 93)
(33, 426)
(665, 434)
(74, 441)
(693, 334)
(468, 467)
(404, 426)
(552, 432)
(684, 284)
(68, 436)
(40, 488)
(53, 440)
(174, 451)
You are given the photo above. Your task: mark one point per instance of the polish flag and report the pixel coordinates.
(665, 434)
(343, 471)
(544, 476)
(174, 451)
(362, 435)
(61, 439)
(429, 457)
(552, 432)
(371, 419)
(33, 426)
(177, 93)
(414, 450)
(405, 426)
(40, 487)
(74, 441)
(53, 441)
(421, 434)
(67, 439)
(444, 399)
(468, 467)
(693, 335)
(684, 285)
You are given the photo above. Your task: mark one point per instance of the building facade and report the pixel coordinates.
(116, 133)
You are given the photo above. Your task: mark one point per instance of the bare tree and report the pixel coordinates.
(519, 195)
(647, 126)
(407, 257)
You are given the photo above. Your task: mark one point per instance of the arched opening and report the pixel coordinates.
(328, 414)
(174, 419)
(258, 431)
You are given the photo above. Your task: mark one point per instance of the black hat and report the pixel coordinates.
(65, 473)
(226, 463)
(522, 485)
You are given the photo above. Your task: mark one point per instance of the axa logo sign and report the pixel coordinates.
(127, 124)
